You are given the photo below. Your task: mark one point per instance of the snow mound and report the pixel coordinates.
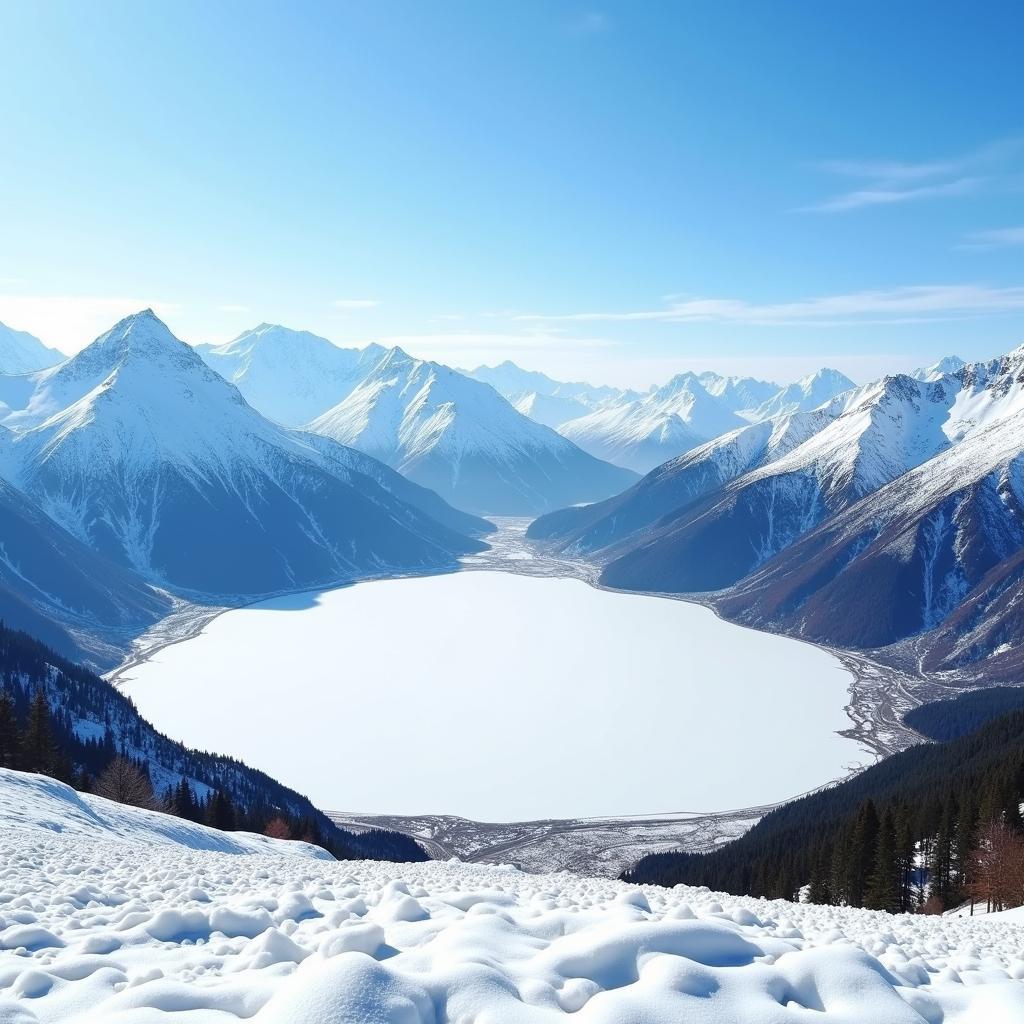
(95, 930)
(38, 804)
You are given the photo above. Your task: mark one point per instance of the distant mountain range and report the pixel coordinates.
(641, 431)
(432, 424)
(21, 352)
(891, 514)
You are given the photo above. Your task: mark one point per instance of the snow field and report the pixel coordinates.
(36, 803)
(114, 931)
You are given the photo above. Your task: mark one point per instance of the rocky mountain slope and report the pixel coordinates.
(60, 590)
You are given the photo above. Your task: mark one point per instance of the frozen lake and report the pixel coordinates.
(504, 697)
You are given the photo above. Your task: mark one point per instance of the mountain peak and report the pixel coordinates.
(825, 374)
(142, 333)
(948, 364)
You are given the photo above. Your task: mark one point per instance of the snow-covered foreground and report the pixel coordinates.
(504, 697)
(117, 931)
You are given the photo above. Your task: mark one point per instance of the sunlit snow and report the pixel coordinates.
(504, 697)
(140, 930)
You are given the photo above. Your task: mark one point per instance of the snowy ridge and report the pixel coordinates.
(21, 352)
(461, 438)
(36, 804)
(96, 930)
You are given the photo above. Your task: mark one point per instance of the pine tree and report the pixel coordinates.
(882, 892)
(905, 850)
(10, 742)
(966, 830)
(220, 812)
(945, 843)
(38, 751)
(861, 859)
(184, 803)
(818, 889)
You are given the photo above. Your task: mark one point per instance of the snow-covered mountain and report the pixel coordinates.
(647, 431)
(738, 394)
(892, 511)
(21, 352)
(881, 431)
(944, 540)
(807, 393)
(676, 484)
(946, 365)
(460, 438)
(550, 410)
(151, 458)
(290, 376)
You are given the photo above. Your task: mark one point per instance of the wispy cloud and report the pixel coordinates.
(590, 23)
(995, 239)
(889, 182)
(884, 196)
(894, 305)
(355, 303)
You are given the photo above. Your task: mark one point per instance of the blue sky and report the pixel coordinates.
(610, 192)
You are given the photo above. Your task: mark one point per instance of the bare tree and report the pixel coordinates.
(995, 871)
(122, 780)
(278, 828)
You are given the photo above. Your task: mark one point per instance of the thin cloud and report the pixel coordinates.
(233, 309)
(995, 238)
(355, 303)
(890, 182)
(888, 306)
(889, 196)
(590, 23)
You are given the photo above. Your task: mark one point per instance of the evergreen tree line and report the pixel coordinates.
(922, 830)
(43, 697)
(947, 719)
